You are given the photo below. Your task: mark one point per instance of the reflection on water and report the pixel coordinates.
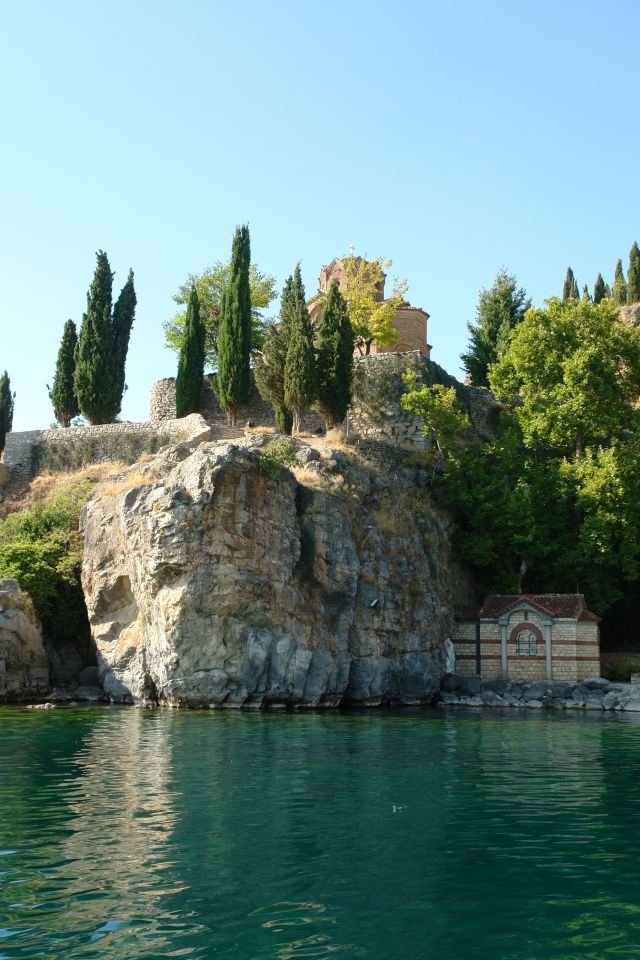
(130, 834)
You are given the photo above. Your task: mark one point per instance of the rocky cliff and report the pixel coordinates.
(214, 576)
(24, 667)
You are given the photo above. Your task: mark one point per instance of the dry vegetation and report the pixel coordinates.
(49, 484)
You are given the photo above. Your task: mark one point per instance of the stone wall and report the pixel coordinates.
(375, 414)
(29, 452)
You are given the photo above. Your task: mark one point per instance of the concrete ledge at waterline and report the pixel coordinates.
(593, 693)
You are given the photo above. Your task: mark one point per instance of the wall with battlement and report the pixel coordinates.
(32, 451)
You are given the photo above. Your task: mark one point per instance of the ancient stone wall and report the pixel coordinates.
(29, 452)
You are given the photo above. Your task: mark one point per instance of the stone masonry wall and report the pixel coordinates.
(375, 414)
(29, 452)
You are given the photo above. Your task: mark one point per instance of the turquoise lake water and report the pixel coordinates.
(132, 834)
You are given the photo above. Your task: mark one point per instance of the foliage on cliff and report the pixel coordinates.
(334, 358)
(553, 502)
(372, 318)
(6, 408)
(41, 548)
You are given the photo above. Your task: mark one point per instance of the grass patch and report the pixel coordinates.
(275, 455)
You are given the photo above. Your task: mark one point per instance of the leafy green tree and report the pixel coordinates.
(599, 289)
(234, 335)
(271, 361)
(371, 318)
(209, 286)
(570, 289)
(500, 310)
(300, 367)
(62, 394)
(102, 346)
(580, 388)
(633, 275)
(619, 286)
(191, 361)
(6, 408)
(443, 419)
(334, 358)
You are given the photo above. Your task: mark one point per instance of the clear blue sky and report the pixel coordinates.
(453, 138)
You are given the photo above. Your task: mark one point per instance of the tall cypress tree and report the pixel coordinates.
(633, 275)
(270, 362)
(123, 316)
(62, 394)
(586, 296)
(599, 289)
(102, 346)
(300, 366)
(6, 408)
(570, 289)
(334, 358)
(619, 286)
(191, 360)
(234, 331)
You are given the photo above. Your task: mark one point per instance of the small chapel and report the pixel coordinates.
(409, 321)
(550, 636)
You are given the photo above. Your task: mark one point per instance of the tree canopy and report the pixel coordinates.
(209, 286)
(272, 358)
(234, 335)
(500, 310)
(334, 358)
(62, 394)
(300, 377)
(6, 408)
(191, 361)
(371, 318)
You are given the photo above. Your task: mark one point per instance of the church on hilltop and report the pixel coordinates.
(410, 322)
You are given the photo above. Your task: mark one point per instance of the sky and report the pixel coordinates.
(453, 138)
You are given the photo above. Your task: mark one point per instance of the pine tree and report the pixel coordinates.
(633, 275)
(102, 346)
(123, 316)
(6, 408)
(191, 360)
(570, 289)
(500, 309)
(334, 358)
(270, 362)
(599, 289)
(62, 394)
(234, 337)
(300, 367)
(619, 286)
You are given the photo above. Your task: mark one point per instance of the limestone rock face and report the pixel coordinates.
(24, 667)
(211, 580)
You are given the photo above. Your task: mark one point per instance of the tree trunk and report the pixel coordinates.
(579, 444)
(232, 413)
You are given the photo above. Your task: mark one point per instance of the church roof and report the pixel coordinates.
(566, 606)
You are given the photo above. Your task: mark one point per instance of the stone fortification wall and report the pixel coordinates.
(376, 415)
(29, 452)
(257, 412)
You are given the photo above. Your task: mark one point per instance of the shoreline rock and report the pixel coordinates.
(594, 693)
(24, 666)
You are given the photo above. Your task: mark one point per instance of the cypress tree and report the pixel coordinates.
(191, 360)
(633, 275)
(500, 309)
(619, 286)
(608, 292)
(599, 289)
(234, 331)
(62, 394)
(334, 359)
(6, 408)
(300, 366)
(570, 289)
(123, 316)
(102, 346)
(586, 296)
(271, 361)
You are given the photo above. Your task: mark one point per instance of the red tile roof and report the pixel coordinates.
(570, 606)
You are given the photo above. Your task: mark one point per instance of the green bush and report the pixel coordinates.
(41, 548)
(275, 455)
